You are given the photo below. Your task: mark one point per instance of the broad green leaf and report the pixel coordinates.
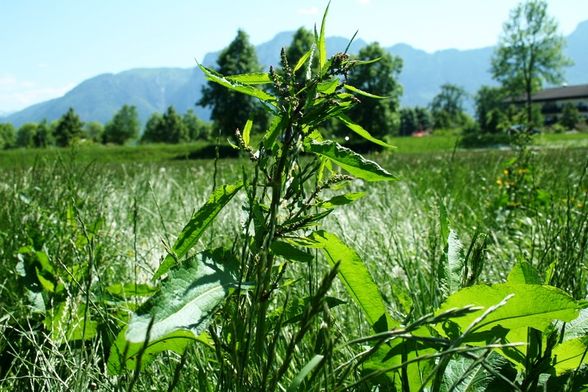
(577, 328)
(290, 252)
(68, 322)
(524, 273)
(328, 86)
(251, 78)
(532, 306)
(231, 84)
(309, 367)
(125, 355)
(361, 92)
(395, 353)
(45, 283)
(185, 302)
(247, 131)
(570, 355)
(197, 225)
(349, 160)
(341, 200)
(131, 289)
(322, 45)
(356, 279)
(358, 129)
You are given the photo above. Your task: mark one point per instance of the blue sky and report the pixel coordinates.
(49, 46)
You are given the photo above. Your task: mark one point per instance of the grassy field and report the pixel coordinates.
(77, 225)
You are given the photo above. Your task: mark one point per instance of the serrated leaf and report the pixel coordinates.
(231, 84)
(358, 129)
(451, 278)
(181, 309)
(351, 161)
(361, 92)
(356, 278)
(197, 225)
(251, 78)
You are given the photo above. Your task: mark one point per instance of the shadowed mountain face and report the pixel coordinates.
(153, 90)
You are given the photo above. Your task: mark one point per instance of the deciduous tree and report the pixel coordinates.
(447, 106)
(231, 110)
(379, 116)
(123, 127)
(68, 129)
(529, 53)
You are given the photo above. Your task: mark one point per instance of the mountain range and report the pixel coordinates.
(154, 89)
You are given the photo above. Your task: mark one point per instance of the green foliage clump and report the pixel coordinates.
(447, 107)
(7, 135)
(570, 116)
(123, 127)
(529, 54)
(380, 78)
(230, 110)
(68, 129)
(169, 128)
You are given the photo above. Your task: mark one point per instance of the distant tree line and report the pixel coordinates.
(529, 54)
(123, 128)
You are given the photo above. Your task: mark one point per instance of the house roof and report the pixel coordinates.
(559, 93)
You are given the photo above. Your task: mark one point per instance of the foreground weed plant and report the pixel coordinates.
(272, 310)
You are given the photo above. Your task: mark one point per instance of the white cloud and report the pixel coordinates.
(18, 94)
(312, 11)
(364, 2)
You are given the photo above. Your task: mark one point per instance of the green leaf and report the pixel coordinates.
(247, 131)
(125, 355)
(524, 273)
(322, 45)
(570, 355)
(302, 60)
(478, 378)
(341, 200)
(309, 367)
(358, 129)
(361, 92)
(197, 225)
(277, 124)
(131, 290)
(231, 84)
(356, 279)
(451, 277)
(68, 322)
(186, 302)
(251, 78)
(532, 306)
(349, 160)
(328, 86)
(290, 252)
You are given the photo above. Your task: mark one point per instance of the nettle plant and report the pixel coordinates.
(261, 309)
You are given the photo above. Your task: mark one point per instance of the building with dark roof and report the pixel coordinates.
(552, 101)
